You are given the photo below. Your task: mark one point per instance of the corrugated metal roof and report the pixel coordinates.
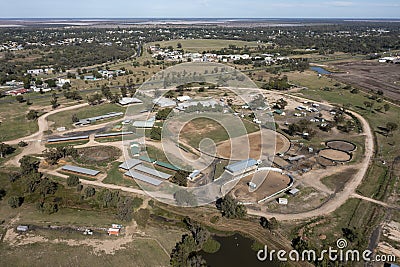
(152, 171)
(241, 165)
(79, 170)
(143, 124)
(142, 177)
(130, 100)
(129, 164)
(167, 165)
(112, 134)
(147, 159)
(67, 138)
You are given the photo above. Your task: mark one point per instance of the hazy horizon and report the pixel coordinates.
(348, 9)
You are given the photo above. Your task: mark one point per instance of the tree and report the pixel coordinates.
(199, 233)
(22, 144)
(2, 193)
(73, 180)
(230, 208)
(162, 114)
(32, 115)
(391, 127)
(196, 260)
(179, 45)
(15, 201)
(271, 224)
(20, 98)
(29, 164)
(89, 191)
(386, 107)
(125, 209)
(5, 149)
(54, 103)
(180, 254)
(155, 133)
(74, 118)
(185, 198)
(47, 187)
(123, 91)
(180, 178)
(369, 105)
(47, 207)
(142, 216)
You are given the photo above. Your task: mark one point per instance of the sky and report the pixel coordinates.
(200, 9)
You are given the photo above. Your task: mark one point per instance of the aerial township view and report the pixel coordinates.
(200, 133)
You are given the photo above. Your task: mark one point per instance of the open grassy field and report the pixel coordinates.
(200, 45)
(200, 128)
(115, 176)
(65, 118)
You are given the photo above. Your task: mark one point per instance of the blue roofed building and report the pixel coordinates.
(242, 167)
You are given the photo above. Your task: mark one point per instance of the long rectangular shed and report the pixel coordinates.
(167, 165)
(112, 134)
(136, 175)
(64, 139)
(129, 164)
(151, 171)
(80, 170)
(241, 166)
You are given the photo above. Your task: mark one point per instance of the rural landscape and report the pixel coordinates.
(199, 142)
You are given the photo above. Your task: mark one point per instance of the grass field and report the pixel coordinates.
(65, 118)
(201, 128)
(200, 45)
(115, 176)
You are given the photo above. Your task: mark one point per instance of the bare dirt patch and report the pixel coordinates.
(274, 182)
(254, 145)
(97, 154)
(372, 75)
(335, 155)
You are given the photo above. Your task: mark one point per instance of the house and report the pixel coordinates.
(16, 92)
(129, 100)
(193, 175)
(61, 82)
(283, 201)
(35, 71)
(294, 191)
(22, 228)
(113, 231)
(144, 124)
(242, 167)
(183, 98)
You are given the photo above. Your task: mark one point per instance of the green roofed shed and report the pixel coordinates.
(167, 165)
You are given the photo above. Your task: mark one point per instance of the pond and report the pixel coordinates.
(320, 70)
(235, 251)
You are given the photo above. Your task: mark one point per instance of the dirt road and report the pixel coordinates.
(341, 197)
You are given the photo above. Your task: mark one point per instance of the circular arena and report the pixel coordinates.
(229, 149)
(335, 155)
(341, 145)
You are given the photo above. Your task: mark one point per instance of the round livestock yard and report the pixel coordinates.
(274, 182)
(261, 144)
(325, 162)
(335, 155)
(341, 145)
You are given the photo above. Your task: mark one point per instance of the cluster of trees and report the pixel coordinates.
(52, 155)
(180, 178)
(5, 150)
(32, 115)
(301, 127)
(185, 252)
(230, 207)
(201, 108)
(162, 114)
(271, 224)
(74, 95)
(277, 83)
(281, 104)
(155, 133)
